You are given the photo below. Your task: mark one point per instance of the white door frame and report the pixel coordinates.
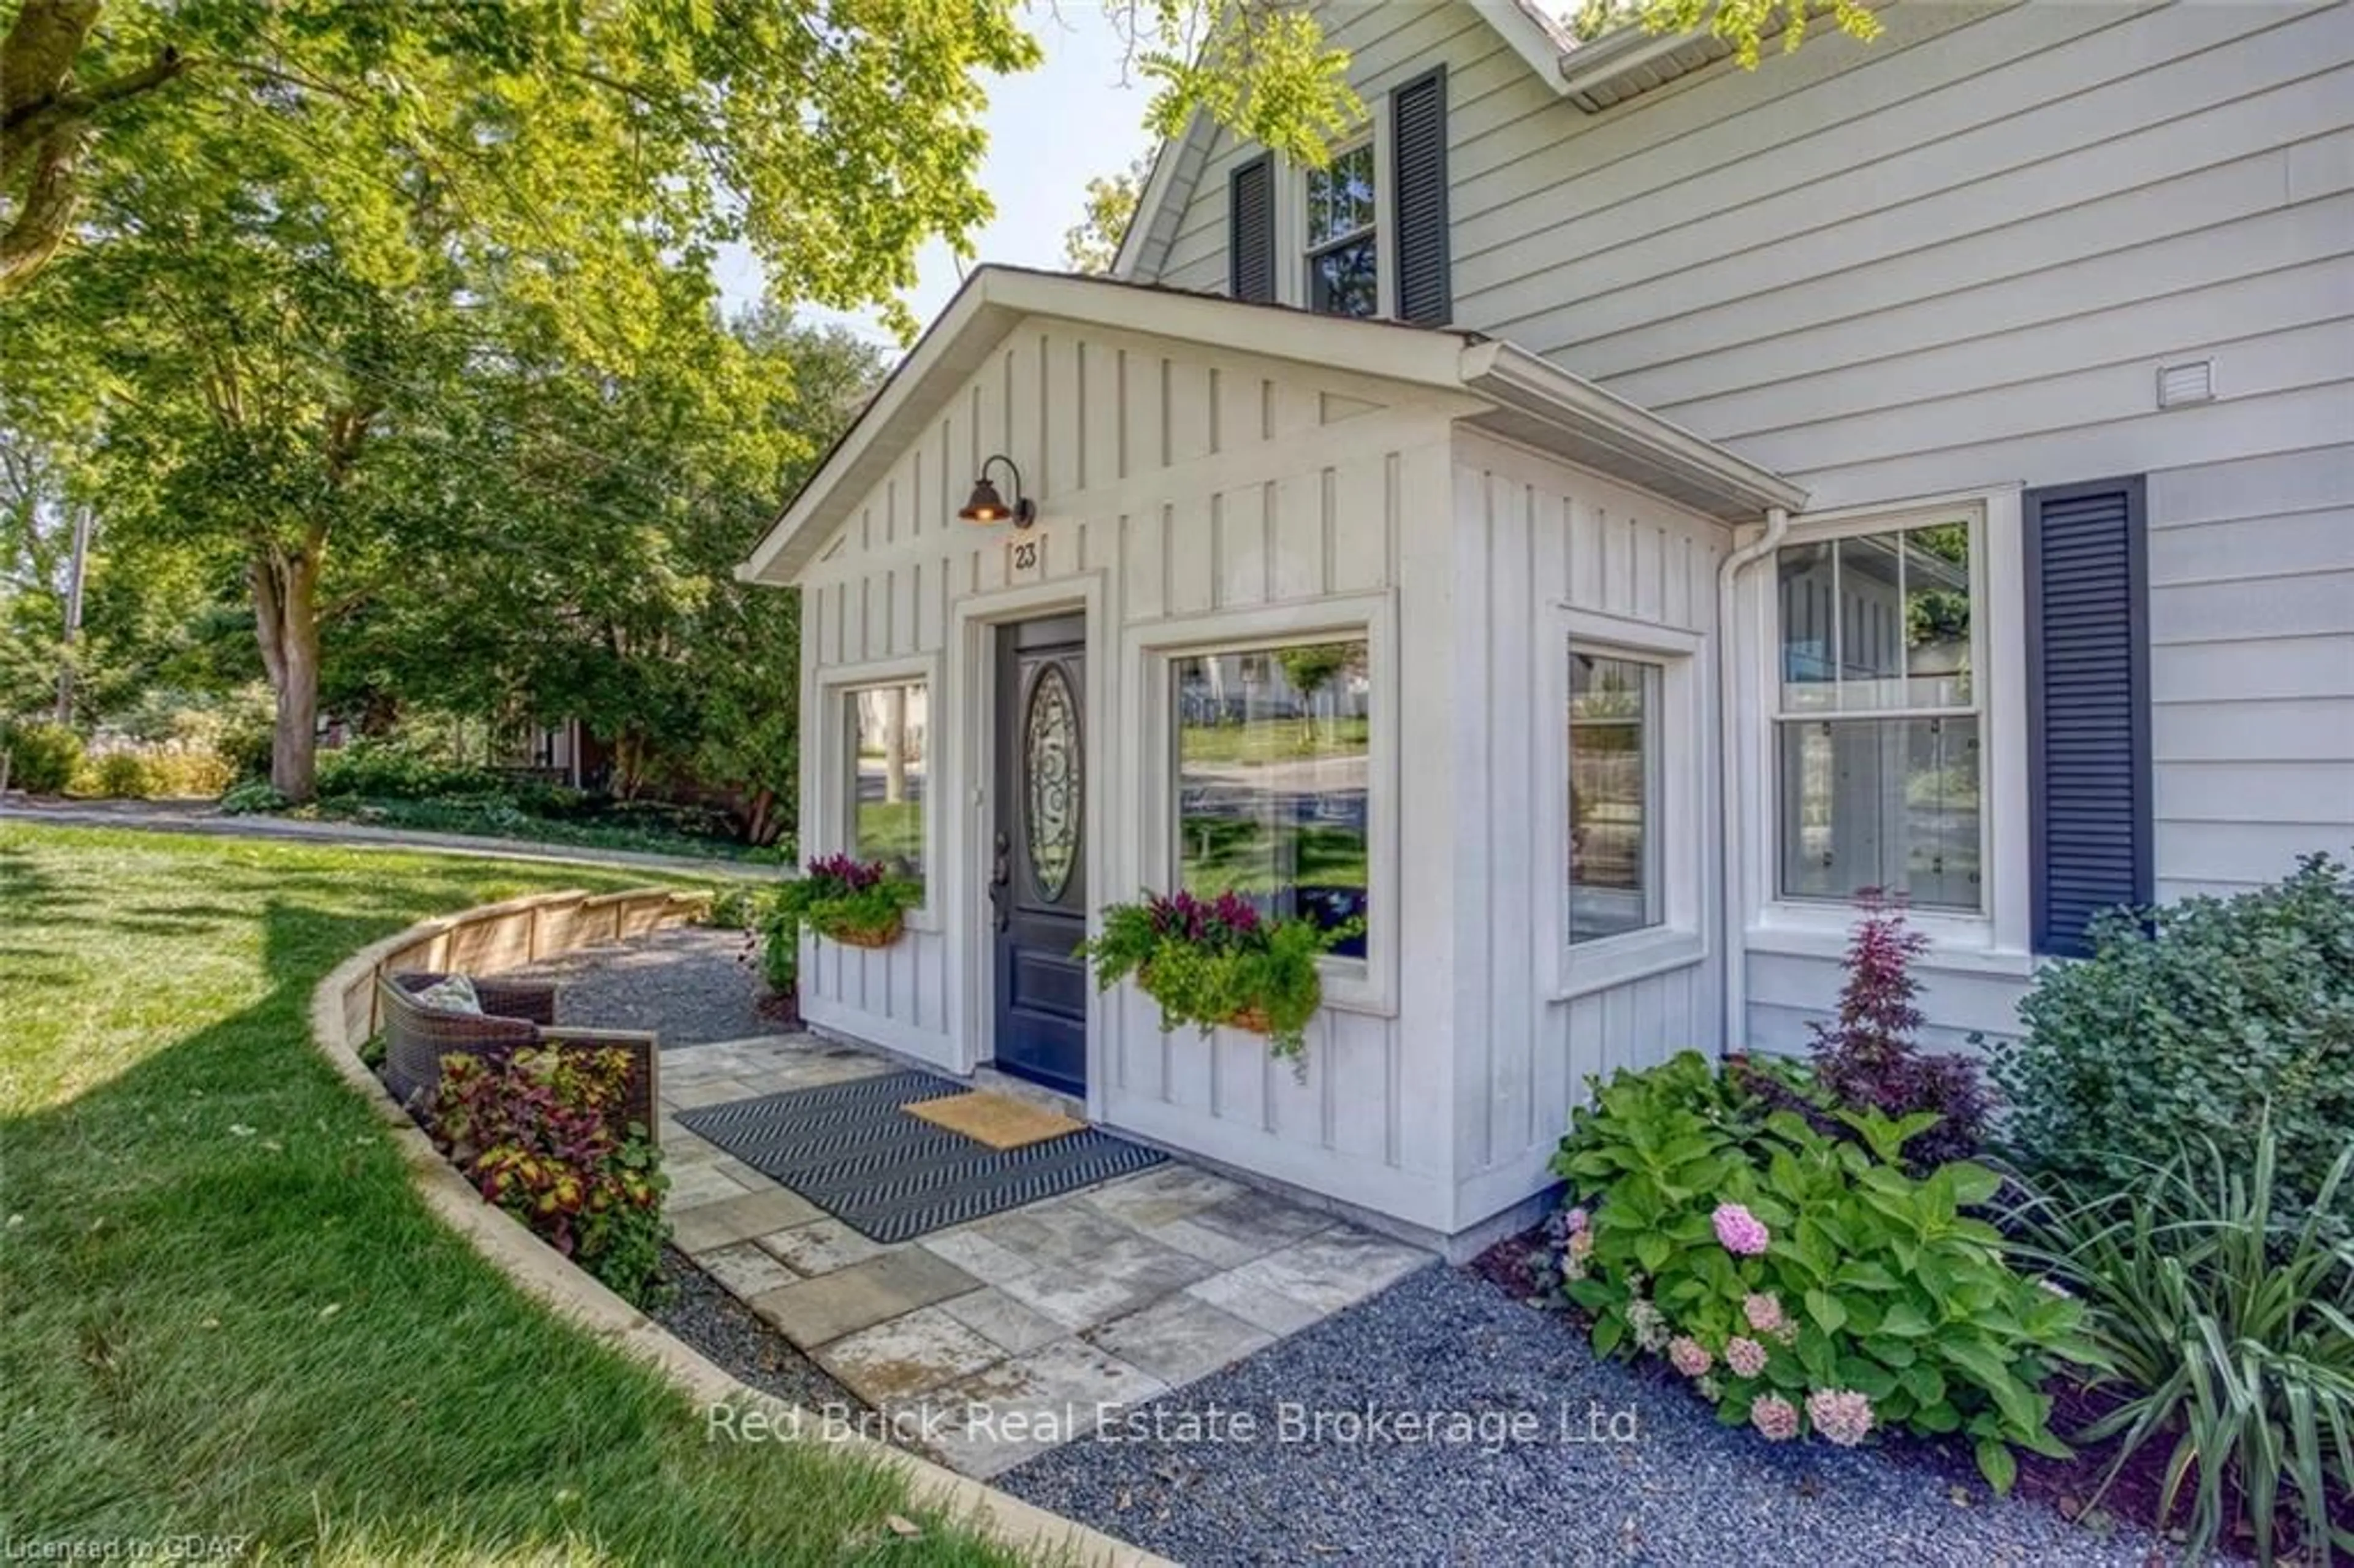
(971, 768)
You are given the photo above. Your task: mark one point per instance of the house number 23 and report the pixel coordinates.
(1025, 557)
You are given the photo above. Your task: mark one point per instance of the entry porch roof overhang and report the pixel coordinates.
(1503, 390)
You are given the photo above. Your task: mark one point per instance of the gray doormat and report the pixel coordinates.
(891, 1177)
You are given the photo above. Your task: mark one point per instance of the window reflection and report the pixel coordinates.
(890, 756)
(1272, 772)
(1613, 787)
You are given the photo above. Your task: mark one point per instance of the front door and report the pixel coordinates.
(1038, 878)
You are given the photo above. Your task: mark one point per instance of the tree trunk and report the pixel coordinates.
(286, 622)
(894, 746)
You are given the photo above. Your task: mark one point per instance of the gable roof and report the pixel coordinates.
(1593, 74)
(1511, 392)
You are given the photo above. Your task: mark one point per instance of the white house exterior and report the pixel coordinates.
(1927, 463)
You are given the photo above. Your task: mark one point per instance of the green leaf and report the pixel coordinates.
(1924, 1383)
(1653, 1252)
(1826, 1311)
(1996, 1465)
(1608, 1329)
(1940, 1417)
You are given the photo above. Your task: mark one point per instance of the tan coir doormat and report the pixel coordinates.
(1000, 1121)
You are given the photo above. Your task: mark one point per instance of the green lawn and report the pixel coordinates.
(502, 819)
(1266, 740)
(223, 1312)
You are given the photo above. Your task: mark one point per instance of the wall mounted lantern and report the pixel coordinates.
(985, 506)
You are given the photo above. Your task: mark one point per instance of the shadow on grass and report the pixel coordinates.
(227, 1313)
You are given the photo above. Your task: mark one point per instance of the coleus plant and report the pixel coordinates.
(541, 1135)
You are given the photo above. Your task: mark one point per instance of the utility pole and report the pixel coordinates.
(76, 569)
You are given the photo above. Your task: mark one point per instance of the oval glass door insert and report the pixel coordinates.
(1050, 761)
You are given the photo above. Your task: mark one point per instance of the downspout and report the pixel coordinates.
(1731, 845)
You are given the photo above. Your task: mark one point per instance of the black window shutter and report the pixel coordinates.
(1250, 231)
(1418, 201)
(2088, 706)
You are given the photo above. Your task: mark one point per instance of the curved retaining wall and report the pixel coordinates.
(498, 936)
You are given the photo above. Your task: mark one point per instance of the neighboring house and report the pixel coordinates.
(1926, 464)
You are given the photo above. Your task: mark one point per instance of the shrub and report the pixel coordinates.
(1218, 962)
(780, 935)
(252, 797)
(43, 758)
(125, 775)
(2187, 1030)
(248, 732)
(539, 1135)
(734, 908)
(850, 900)
(1805, 1283)
(1865, 1058)
(2232, 1334)
(389, 770)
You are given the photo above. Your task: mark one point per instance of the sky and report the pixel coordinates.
(1050, 132)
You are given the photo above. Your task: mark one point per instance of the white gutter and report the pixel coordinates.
(1732, 904)
(1516, 378)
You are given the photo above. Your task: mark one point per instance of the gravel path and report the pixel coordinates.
(1682, 1490)
(704, 1315)
(689, 982)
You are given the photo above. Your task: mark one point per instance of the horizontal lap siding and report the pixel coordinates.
(1194, 488)
(2252, 665)
(1539, 535)
(1952, 256)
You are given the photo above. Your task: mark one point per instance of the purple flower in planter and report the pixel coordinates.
(852, 876)
(1742, 1233)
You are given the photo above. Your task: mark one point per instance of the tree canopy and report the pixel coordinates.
(393, 330)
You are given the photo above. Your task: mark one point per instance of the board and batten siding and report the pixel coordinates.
(1180, 488)
(1540, 537)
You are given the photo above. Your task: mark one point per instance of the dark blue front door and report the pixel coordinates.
(1038, 883)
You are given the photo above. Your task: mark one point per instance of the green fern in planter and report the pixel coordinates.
(1214, 962)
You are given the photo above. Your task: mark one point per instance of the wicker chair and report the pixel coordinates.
(516, 1014)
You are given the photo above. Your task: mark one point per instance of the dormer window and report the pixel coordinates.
(1343, 239)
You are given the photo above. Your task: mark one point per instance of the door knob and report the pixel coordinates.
(1000, 883)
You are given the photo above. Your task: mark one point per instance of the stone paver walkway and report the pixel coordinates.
(988, 1343)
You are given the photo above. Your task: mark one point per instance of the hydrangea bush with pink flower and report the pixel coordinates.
(1808, 1286)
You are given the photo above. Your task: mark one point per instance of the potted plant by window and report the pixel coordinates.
(1210, 962)
(858, 902)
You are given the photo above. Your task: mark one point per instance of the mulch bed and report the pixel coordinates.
(2063, 1485)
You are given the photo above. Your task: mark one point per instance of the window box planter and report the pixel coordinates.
(1213, 963)
(858, 904)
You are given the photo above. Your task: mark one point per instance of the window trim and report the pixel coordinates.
(1685, 841)
(833, 813)
(1351, 985)
(1993, 941)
